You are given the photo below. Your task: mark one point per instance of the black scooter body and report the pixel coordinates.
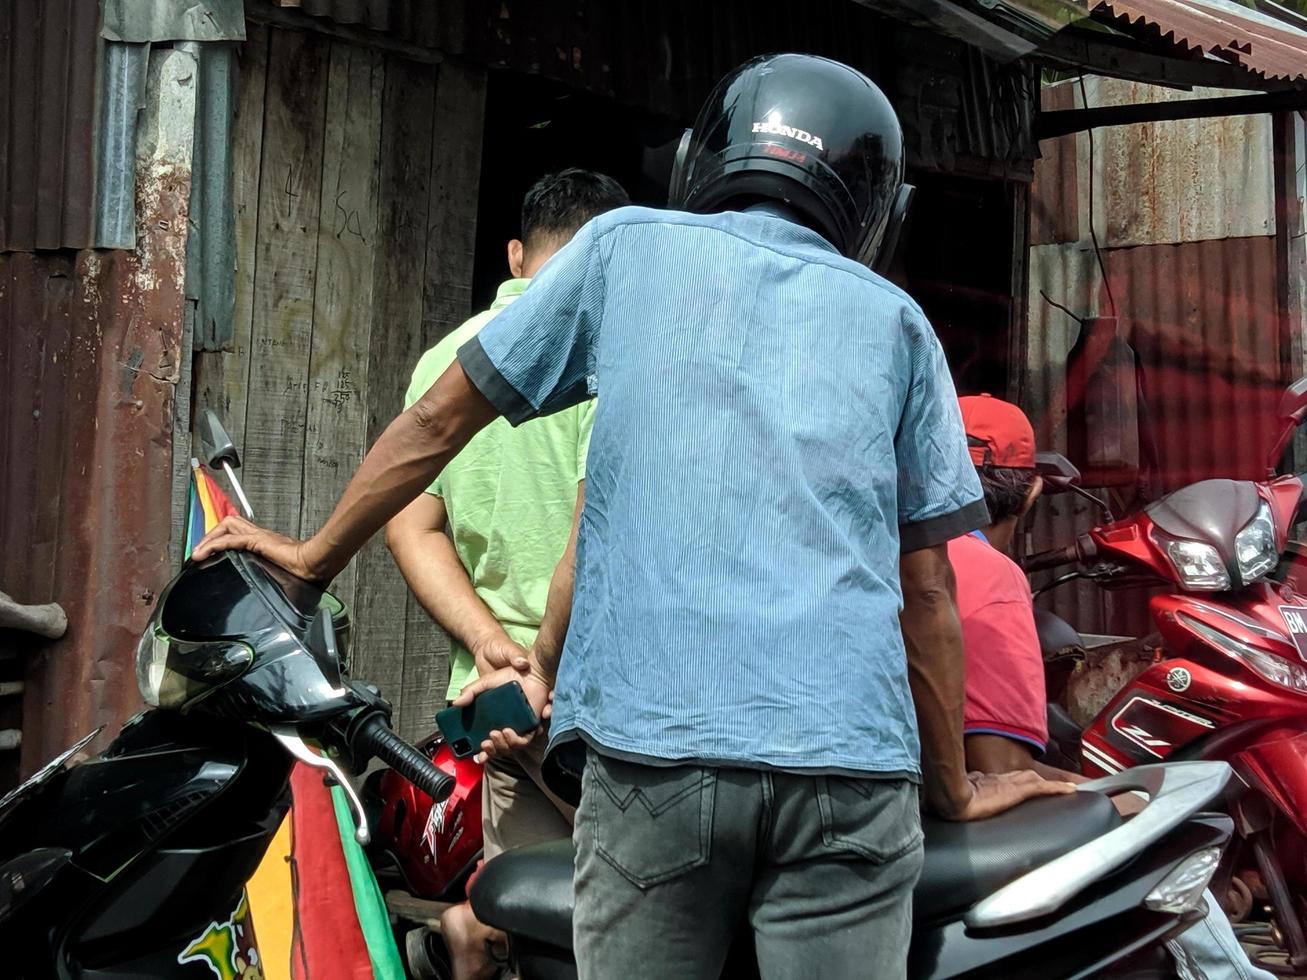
(131, 863)
(527, 893)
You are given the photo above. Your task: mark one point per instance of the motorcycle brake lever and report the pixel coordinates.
(296, 746)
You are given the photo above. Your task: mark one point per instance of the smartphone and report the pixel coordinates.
(466, 728)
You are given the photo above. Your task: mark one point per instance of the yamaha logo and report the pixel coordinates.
(774, 127)
(1178, 679)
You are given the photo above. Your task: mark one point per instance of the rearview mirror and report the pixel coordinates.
(218, 447)
(1293, 408)
(1293, 403)
(1058, 472)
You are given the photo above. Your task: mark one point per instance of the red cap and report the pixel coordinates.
(998, 433)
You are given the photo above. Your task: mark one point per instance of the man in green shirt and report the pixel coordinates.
(509, 499)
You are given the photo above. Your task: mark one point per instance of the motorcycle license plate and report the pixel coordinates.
(1295, 618)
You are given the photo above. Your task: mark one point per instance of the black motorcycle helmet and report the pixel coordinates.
(806, 131)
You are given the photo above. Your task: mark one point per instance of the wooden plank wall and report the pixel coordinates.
(356, 178)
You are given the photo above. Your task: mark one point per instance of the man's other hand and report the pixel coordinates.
(504, 741)
(501, 652)
(992, 793)
(238, 534)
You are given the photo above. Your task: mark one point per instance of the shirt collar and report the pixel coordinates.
(509, 290)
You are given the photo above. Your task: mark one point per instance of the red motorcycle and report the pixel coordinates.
(425, 853)
(1231, 681)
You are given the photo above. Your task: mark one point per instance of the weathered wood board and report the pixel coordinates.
(356, 179)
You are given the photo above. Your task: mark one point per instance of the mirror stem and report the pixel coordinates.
(1101, 505)
(240, 491)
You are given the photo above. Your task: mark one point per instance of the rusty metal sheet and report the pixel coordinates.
(1186, 180)
(1204, 322)
(48, 64)
(1055, 193)
(90, 351)
(1268, 48)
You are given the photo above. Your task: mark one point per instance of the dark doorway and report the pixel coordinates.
(957, 263)
(535, 126)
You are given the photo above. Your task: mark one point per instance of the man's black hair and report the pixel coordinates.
(558, 204)
(1005, 489)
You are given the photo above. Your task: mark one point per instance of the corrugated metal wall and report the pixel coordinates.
(1184, 213)
(90, 359)
(48, 65)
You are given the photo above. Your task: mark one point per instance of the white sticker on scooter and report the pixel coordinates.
(435, 825)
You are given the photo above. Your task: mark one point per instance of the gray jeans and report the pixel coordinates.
(673, 861)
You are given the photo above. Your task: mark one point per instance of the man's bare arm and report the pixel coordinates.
(412, 451)
(431, 567)
(932, 635)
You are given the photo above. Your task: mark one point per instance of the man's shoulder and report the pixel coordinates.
(435, 360)
(977, 564)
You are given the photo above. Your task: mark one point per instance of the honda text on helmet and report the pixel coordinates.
(805, 131)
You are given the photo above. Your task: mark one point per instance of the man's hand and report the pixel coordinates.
(236, 533)
(495, 654)
(992, 793)
(504, 741)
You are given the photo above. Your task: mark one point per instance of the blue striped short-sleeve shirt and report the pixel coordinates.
(775, 424)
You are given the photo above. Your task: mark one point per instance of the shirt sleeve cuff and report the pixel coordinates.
(937, 530)
(483, 374)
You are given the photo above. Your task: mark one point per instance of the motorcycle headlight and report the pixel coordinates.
(1254, 546)
(172, 673)
(1199, 566)
(1274, 669)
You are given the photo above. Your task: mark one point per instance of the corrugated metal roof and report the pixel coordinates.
(1265, 47)
(48, 65)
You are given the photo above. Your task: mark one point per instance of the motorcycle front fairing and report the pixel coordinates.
(141, 849)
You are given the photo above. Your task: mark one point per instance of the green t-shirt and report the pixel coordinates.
(509, 495)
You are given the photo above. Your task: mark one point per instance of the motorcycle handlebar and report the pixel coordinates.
(1052, 558)
(373, 737)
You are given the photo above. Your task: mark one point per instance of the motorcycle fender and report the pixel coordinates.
(1278, 769)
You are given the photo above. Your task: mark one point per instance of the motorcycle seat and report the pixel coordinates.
(528, 891)
(967, 861)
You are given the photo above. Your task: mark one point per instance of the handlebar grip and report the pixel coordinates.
(1042, 560)
(375, 738)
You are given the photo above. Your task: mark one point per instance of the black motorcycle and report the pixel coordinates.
(134, 864)
(1059, 887)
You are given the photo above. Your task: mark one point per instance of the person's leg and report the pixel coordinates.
(516, 810)
(833, 897)
(475, 950)
(1208, 950)
(664, 858)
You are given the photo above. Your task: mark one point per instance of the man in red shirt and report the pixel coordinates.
(1006, 717)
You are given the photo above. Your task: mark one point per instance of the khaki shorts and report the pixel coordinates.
(516, 808)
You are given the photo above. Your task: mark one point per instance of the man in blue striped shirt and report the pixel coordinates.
(776, 467)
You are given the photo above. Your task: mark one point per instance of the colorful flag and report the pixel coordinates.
(206, 505)
(313, 900)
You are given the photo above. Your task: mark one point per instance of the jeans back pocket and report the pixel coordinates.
(651, 823)
(878, 819)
